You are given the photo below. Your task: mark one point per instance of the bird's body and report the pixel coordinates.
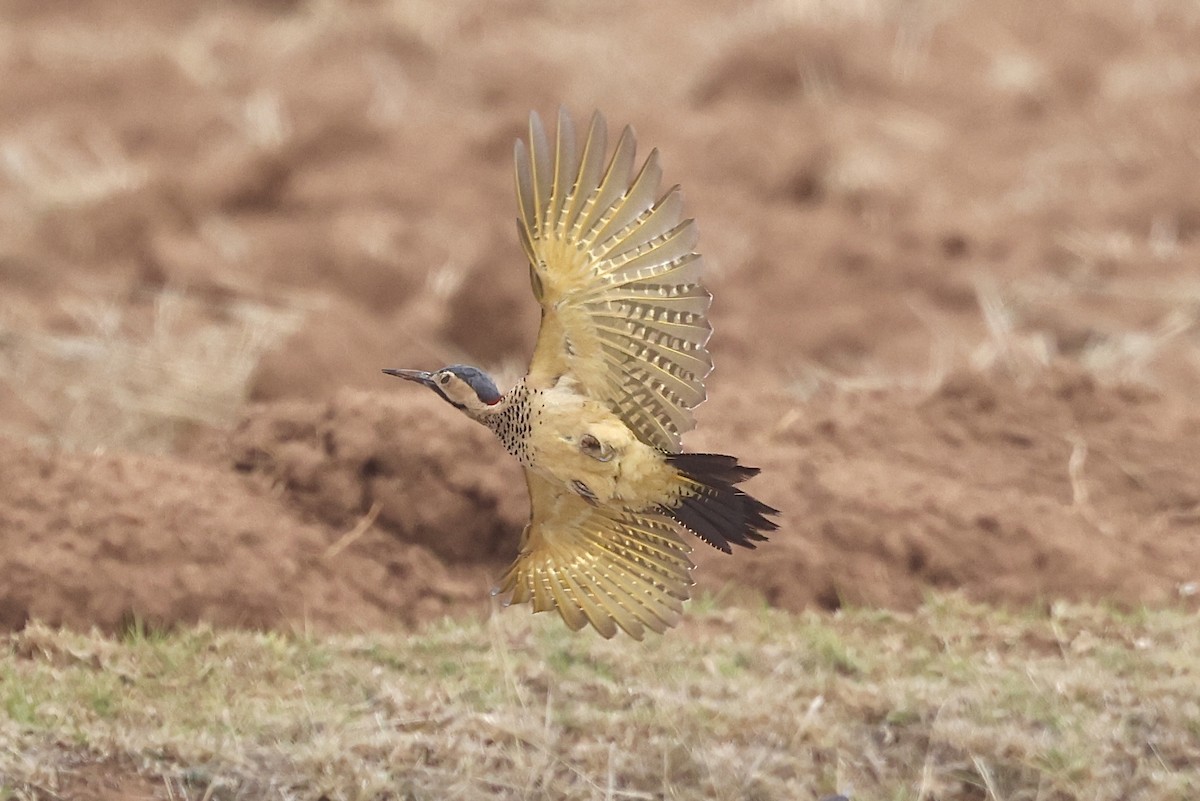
(619, 364)
(550, 430)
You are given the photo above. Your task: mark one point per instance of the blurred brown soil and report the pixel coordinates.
(952, 248)
(122, 540)
(1014, 493)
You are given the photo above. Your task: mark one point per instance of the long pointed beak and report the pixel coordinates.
(419, 376)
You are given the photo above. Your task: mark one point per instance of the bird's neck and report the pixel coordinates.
(510, 420)
(485, 412)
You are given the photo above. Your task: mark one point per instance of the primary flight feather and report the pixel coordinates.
(619, 365)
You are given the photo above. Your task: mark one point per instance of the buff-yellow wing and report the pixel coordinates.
(614, 267)
(604, 567)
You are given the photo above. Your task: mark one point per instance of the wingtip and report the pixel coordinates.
(566, 132)
(564, 117)
(627, 140)
(535, 121)
(538, 143)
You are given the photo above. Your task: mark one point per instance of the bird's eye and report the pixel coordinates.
(444, 379)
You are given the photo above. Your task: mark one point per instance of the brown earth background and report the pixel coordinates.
(953, 248)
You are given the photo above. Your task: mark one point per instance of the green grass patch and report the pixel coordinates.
(954, 701)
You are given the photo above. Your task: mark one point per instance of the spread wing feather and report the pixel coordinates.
(605, 567)
(615, 271)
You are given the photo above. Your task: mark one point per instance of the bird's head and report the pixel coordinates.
(468, 389)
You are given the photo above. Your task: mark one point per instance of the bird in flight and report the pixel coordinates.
(619, 364)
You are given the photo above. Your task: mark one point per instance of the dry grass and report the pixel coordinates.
(954, 701)
(112, 383)
(1014, 346)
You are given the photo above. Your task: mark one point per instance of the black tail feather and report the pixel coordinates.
(714, 509)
